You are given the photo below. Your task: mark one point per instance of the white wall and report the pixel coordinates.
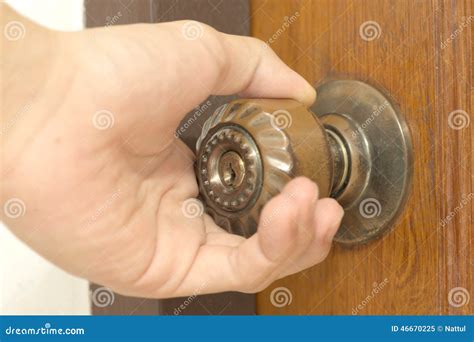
(65, 15)
(28, 283)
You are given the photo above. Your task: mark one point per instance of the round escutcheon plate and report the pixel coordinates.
(380, 156)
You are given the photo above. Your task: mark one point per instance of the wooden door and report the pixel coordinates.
(420, 52)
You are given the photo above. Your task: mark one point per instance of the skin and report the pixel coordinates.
(107, 204)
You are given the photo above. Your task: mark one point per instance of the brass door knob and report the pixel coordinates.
(353, 144)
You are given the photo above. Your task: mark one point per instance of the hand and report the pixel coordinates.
(89, 155)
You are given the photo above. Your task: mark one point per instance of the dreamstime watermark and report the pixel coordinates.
(466, 199)
(269, 218)
(287, 22)
(103, 119)
(192, 30)
(106, 205)
(112, 20)
(458, 119)
(14, 30)
(281, 296)
(458, 296)
(102, 297)
(464, 24)
(377, 110)
(370, 208)
(376, 288)
(15, 118)
(47, 329)
(281, 119)
(180, 308)
(199, 110)
(370, 30)
(14, 208)
(192, 208)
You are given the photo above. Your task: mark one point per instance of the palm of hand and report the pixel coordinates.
(107, 182)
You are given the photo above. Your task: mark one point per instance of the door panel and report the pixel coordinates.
(407, 51)
(421, 54)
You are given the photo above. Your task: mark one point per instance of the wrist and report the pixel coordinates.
(26, 61)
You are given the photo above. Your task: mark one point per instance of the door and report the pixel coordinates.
(420, 53)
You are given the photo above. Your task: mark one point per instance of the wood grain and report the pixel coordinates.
(422, 259)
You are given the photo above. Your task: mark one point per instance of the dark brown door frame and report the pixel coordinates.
(229, 16)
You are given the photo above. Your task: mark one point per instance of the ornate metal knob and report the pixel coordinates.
(249, 149)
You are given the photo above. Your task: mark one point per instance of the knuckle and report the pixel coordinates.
(256, 41)
(328, 225)
(332, 207)
(302, 189)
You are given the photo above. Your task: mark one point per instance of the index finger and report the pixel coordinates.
(186, 61)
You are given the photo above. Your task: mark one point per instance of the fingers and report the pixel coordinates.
(174, 69)
(224, 64)
(327, 219)
(286, 221)
(291, 225)
(254, 70)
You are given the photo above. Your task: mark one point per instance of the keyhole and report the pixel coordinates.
(229, 175)
(231, 169)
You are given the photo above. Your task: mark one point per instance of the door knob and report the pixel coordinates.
(353, 143)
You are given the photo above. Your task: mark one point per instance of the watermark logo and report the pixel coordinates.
(458, 119)
(112, 20)
(376, 288)
(376, 111)
(464, 24)
(14, 30)
(370, 30)
(13, 121)
(266, 221)
(370, 208)
(192, 208)
(198, 111)
(47, 329)
(103, 119)
(14, 208)
(287, 22)
(102, 297)
(188, 301)
(462, 204)
(458, 296)
(104, 207)
(281, 119)
(281, 296)
(192, 30)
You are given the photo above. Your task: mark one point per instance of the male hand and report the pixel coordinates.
(94, 180)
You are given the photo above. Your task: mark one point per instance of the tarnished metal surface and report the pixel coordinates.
(356, 147)
(379, 148)
(276, 140)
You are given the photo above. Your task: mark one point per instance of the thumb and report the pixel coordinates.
(178, 65)
(285, 231)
